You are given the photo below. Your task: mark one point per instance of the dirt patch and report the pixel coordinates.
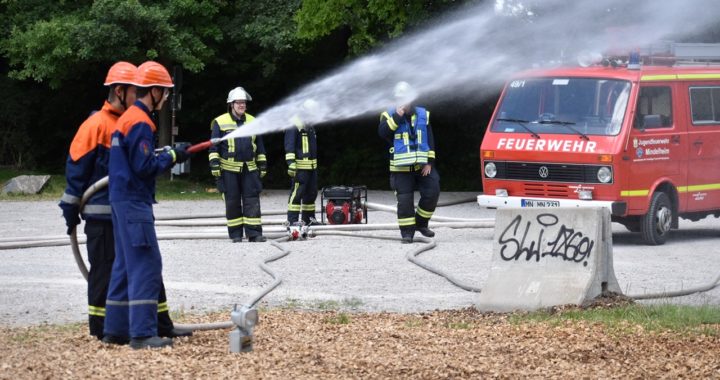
(299, 344)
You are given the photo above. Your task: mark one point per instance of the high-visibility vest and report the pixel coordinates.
(410, 140)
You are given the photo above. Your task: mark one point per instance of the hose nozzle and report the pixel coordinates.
(203, 145)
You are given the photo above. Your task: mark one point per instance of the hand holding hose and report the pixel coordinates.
(180, 153)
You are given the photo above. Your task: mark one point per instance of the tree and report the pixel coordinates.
(55, 45)
(370, 22)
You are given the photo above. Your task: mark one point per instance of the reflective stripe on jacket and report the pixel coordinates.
(301, 146)
(232, 154)
(410, 139)
(87, 163)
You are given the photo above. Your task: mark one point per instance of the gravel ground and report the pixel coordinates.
(43, 285)
(290, 344)
(347, 307)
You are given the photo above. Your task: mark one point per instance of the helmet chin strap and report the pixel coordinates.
(154, 103)
(124, 97)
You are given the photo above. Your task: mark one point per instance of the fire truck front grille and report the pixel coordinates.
(545, 172)
(534, 189)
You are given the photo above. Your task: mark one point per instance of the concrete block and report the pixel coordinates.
(26, 184)
(549, 257)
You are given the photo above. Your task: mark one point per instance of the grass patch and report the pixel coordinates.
(339, 319)
(291, 303)
(180, 188)
(462, 325)
(330, 305)
(327, 305)
(414, 322)
(702, 320)
(44, 332)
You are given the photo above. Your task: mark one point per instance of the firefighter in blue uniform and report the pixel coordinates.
(136, 281)
(301, 158)
(412, 154)
(86, 164)
(238, 164)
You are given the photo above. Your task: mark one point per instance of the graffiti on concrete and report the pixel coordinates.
(568, 244)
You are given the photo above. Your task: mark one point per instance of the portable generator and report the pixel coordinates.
(344, 204)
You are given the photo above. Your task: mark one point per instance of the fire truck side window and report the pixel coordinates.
(654, 108)
(705, 105)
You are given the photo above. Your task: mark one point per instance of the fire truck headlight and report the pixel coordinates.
(604, 174)
(490, 170)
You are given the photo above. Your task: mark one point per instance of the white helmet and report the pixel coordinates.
(238, 93)
(404, 93)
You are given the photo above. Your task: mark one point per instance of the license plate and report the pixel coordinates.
(538, 203)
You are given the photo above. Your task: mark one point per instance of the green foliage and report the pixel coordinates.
(54, 46)
(370, 21)
(338, 319)
(683, 319)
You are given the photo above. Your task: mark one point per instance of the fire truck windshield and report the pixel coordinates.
(584, 106)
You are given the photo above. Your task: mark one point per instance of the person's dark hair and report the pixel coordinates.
(142, 91)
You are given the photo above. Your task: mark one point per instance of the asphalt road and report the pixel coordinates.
(44, 285)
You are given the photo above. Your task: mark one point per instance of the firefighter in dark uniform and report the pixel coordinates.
(412, 154)
(238, 164)
(136, 281)
(86, 164)
(301, 158)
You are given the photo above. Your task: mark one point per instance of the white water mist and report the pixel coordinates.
(479, 47)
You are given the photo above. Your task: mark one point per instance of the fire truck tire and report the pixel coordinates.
(656, 224)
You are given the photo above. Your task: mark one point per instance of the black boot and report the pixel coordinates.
(112, 339)
(150, 342)
(257, 239)
(407, 240)
(426, 232)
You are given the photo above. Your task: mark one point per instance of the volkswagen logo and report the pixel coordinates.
(543, 172)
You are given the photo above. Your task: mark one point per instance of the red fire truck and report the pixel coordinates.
(641, 140)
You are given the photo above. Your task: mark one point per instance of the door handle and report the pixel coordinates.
(697, 142)
(675, 139)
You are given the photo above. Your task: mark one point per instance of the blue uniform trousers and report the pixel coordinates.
(136, 280)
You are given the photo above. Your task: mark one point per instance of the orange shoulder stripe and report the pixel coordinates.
(94, 131)
(132, 116)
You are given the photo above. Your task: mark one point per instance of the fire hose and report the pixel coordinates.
(280, 236)
(284, 252)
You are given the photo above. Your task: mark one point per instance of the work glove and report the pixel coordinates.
(71, 213)
(215, 168)
(220, 184)
(262, 165)
(180, 153)
(292, 169)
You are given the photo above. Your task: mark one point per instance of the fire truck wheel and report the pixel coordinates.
(655, 225)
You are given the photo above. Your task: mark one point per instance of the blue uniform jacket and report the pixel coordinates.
(87, 163)
(133, 163)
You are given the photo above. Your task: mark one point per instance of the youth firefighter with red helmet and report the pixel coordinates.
(407, 130)
(86, 164)
(301, 158)
(136, 281)
(238, 164)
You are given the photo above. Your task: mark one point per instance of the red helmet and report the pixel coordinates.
(152, 74)
(121, 72)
